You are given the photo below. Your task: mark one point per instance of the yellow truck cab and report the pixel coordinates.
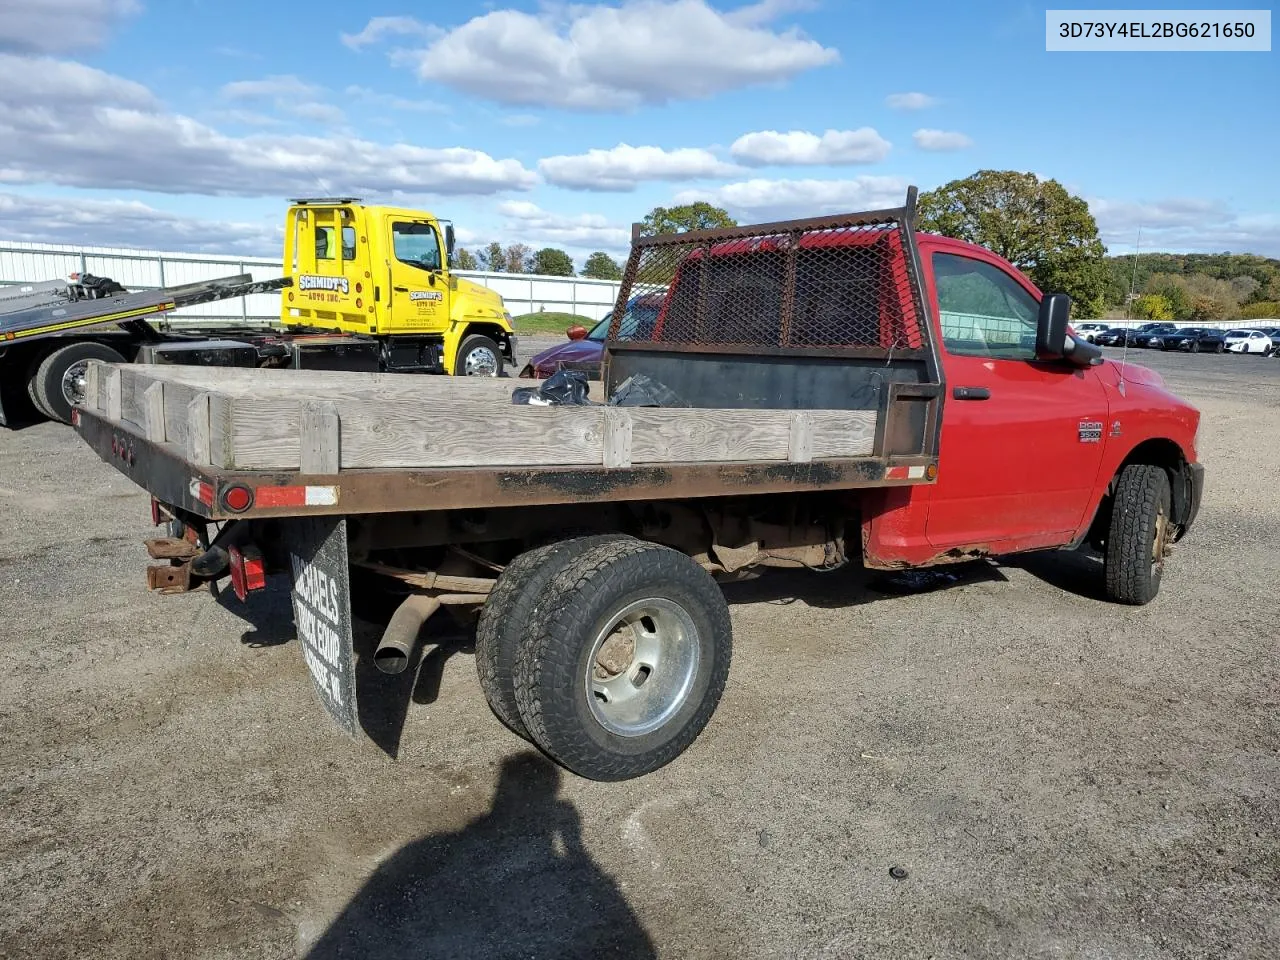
(383, 272)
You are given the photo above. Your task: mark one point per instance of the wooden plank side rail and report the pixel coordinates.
(299, 426)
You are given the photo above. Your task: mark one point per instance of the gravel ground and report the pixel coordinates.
(1059, 777)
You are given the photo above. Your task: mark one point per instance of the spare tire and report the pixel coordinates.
(58, 384)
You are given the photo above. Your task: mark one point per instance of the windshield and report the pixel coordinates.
(1189, 331)
(1237, 333)
(637, 323)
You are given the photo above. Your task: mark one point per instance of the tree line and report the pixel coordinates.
(1195, 287)
(554, 262)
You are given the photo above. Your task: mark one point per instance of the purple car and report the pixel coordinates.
(585, 349)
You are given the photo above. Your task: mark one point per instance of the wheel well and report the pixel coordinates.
(492, 330)
(1162, 452)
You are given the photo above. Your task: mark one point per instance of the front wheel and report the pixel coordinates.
(624, 661)
(479, 356)
(1140, 534)
(1219, 347)
(59, 381)
(1195, 346)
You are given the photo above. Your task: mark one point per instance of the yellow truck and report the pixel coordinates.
(368, 288)
(383, 272)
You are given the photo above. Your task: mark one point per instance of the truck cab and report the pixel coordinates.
(377, 271)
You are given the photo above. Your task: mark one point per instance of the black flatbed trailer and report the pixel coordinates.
(49, 331)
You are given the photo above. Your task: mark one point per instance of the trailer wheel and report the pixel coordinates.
(507, 613)
(1139, 535)
(59, 380)
(624, 661)
(478, 356)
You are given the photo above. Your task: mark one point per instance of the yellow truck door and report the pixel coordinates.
(328, 259)
(419, 301)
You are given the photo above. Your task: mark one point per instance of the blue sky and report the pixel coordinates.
(185, 124)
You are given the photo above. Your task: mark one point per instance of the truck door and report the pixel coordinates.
(419, 286)
(1022, 440)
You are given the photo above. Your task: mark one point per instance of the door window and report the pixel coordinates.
(324, 243)
(416, 244)
(984, 312)
(348, 243)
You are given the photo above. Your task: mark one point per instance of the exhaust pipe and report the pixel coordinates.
(401, 635)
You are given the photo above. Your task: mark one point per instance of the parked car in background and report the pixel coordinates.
(1111, 337)
(1274, 334)
(1090, 329)
(1191, 339)
(585, 349)
(1143, 335)
(1248, 340)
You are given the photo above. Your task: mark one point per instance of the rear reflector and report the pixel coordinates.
(248, 572)
(237, 498)
(155, 512)
(299, 496)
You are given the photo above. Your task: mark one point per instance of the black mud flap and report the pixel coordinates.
(322, 612)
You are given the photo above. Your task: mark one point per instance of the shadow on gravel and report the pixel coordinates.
(515, 882)
(1075, 571)
(852, 585)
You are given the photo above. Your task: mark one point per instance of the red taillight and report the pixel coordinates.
(359, 289)
(155, 512)
(248, 573)
(359, 303)
(75, 416)
(237, 498)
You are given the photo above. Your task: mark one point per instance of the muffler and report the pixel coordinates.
(401, 635)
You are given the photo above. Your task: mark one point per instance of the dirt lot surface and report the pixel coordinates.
(1059, 777)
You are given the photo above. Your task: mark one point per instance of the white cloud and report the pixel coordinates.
(941, 140)
(760, 200)
(529, 223)
(624, 166)
(68, 124)
(1184, 224)
(267, 88)
(395, 103)
(32, 84)
(57, 26)
(379, 28)
(799, 147)
(129, 223)
(597, 57)
(910, 101)
(519, 120)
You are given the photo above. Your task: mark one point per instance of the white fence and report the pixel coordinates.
(147, 269)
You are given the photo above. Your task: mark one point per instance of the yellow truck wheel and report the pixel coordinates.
(478, 356)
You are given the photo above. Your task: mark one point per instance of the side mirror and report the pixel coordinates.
(576, 332)
(1053, 341)
(449, 239)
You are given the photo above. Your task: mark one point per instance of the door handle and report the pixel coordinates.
(971, 393)
(401, 289)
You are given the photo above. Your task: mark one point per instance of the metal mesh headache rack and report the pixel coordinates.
(840, 284)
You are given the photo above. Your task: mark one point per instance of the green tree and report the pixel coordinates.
(1208, 308)
(1035, 224)
(689, 216)
(1172, 288)
(1261, 310)
(1153, 306)
(518, 258)
(464, 259)
(601, 266)
(494, 258)
(553, 262)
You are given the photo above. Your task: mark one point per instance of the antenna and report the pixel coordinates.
(1133, 282)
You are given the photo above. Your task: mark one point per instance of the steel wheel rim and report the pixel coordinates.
(481, 362)
(642, 667)
(1160, 542)
(74, 382)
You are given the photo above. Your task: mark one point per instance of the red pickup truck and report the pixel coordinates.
(812, 393)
